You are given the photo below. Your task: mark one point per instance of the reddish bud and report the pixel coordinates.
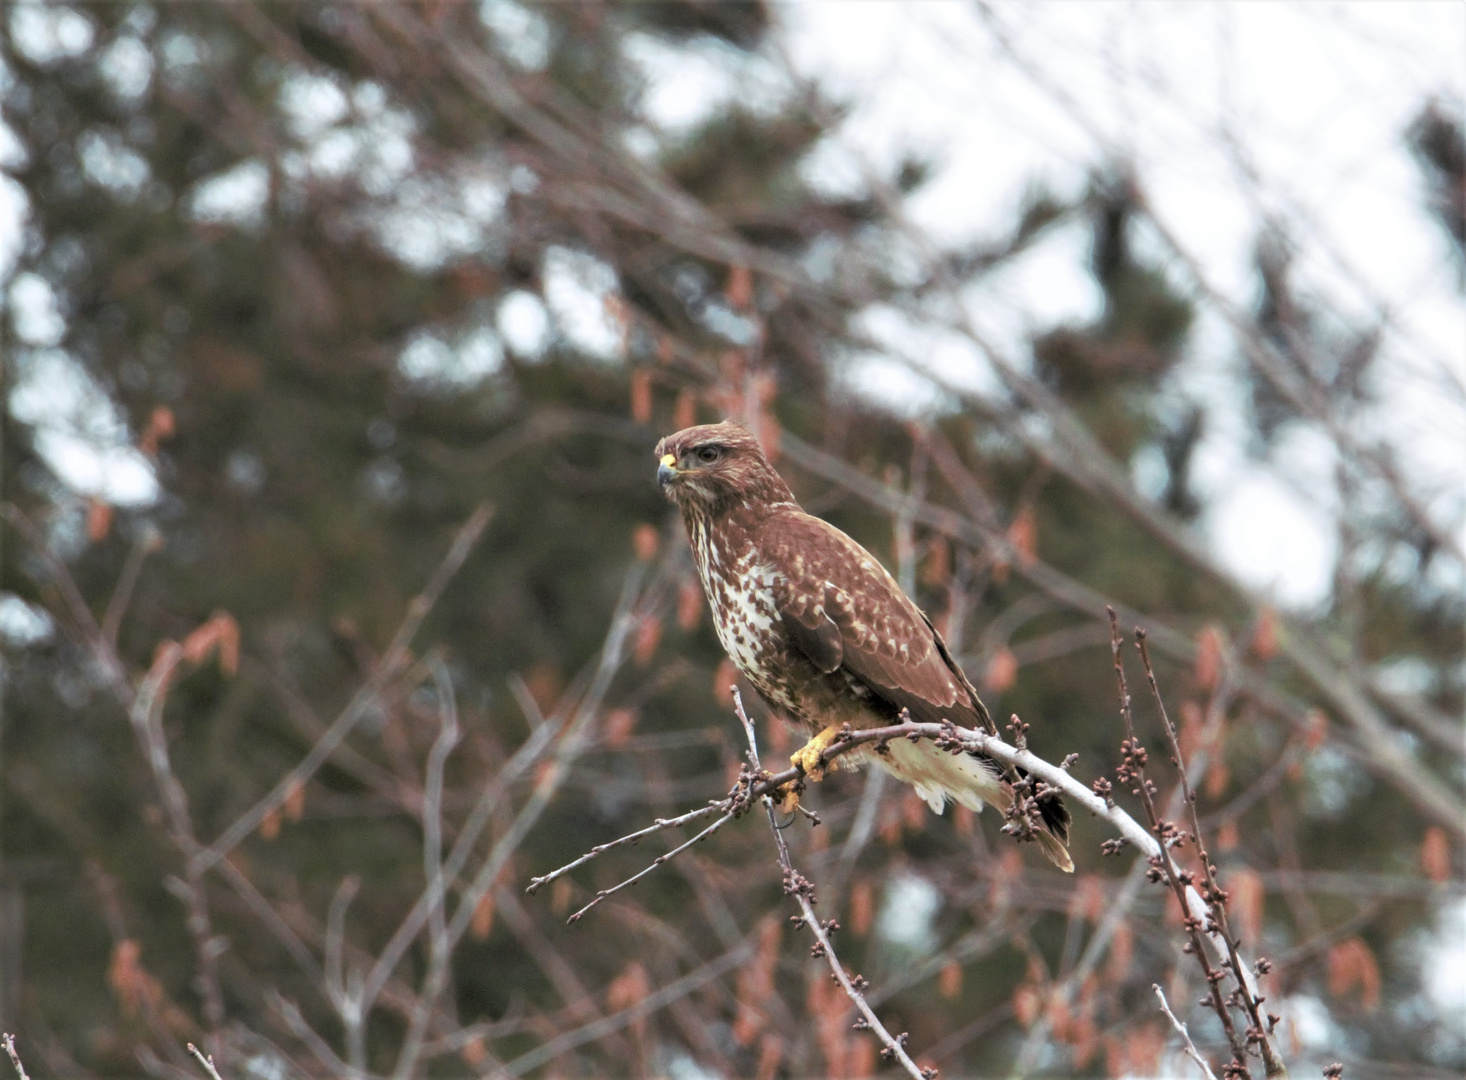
(684, 413)
(1023, 536)
(99, 520)
(1435, 855)
(740, 288)
(689, 604)
(1002, 671)
(483, 918)
(1265, 637)
(641, 395)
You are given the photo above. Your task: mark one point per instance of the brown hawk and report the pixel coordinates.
(822, 631)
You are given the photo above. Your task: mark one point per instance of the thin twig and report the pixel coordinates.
(147, 542)
(1131, 773)
(658, 861)
(1214, 895)
(440, 948)
(15, 1056)
(802, 889)
(660, 824)
(206, 1060)
(146, 717)
(1186, 1042)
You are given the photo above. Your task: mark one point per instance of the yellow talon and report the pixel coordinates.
(807, 758)
(786, 799)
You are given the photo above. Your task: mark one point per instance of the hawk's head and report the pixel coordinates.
(716, 466)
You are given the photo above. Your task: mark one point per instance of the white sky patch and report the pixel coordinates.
(1308, 1020)
(46, 32)
(1235, 115)
(945, 356)
(1272, 540)
(236, 196)
(432, 363)
(578, 289)
(12, 150)
(23, 625)
(908, 909)
(79, 432)
(433, 221)
(127, 67)
(108, 162)
(356, 134)
(312, 103)
(1445, 982)
(1046, 286)
(522, 35)
(13, 209)
(689, 82)
(893, 386)
(524, 324)
(34, 312)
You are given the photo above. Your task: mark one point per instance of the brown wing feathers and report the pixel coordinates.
(878, 635)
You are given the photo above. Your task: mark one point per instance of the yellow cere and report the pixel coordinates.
(669, 460)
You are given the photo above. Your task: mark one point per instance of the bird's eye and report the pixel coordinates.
(708, 454)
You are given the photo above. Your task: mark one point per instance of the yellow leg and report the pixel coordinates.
(807, 758)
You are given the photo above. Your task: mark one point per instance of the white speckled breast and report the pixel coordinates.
(741, 594)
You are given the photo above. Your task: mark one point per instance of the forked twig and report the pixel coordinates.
(714, 807)
(658, 861)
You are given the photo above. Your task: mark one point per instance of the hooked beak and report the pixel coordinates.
(666, 470)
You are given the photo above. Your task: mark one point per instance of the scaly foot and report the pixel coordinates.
(786, 799)
(807, 758)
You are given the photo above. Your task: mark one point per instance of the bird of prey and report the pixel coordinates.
(823, 632)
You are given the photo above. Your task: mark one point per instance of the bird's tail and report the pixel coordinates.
(972, 781)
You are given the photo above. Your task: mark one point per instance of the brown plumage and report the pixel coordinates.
(820, 628)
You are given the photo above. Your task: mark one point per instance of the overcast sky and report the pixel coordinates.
(1233, 113)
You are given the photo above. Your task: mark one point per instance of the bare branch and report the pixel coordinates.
(148, 541)
(538, 883)
(440, 948)
(387, 669)
(658, 861)
(206, 1060)
(15, 1056)
(800, 887)
(1187, 1044)
(1215, 896)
